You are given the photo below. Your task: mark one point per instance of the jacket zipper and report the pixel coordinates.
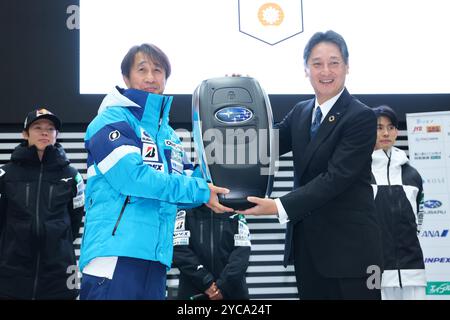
(163, 106)
(50, 194)
(27, 195)
(212, 242)
(393, 218)
(38, 258)
(127, 200)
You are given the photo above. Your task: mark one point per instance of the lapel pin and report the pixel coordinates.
(331, 118)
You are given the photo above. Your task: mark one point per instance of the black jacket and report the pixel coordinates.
(399, 201)
(41, 208)
(209, 248)
(331, 209)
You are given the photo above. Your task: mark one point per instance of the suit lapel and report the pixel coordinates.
(326, 127)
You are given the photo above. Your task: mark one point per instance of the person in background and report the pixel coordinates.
(137, 176)
(332, 234)
(398, 195)
(41, 209)
(212, 252)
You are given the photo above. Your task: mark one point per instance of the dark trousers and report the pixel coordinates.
(133, 279)
(312, 285)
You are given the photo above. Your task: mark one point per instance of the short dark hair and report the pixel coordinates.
(388, 112)
(329, 36)
(155, 54)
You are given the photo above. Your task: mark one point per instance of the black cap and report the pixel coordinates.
(387, 112)
(41, 114)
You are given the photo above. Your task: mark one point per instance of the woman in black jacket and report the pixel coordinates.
(41, 208)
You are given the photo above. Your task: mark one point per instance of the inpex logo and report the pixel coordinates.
(437, 260)
(432, 204)
(434, 233)
(271, 21)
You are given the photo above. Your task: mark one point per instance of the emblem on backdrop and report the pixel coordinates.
(271, 21)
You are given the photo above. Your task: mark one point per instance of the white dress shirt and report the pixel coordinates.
(325, 108)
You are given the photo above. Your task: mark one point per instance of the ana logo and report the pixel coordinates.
(417, 129)
(114, 135)
(234, 114)
(434, 233)
(432, 204)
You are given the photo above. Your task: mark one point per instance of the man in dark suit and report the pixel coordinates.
(332, 235)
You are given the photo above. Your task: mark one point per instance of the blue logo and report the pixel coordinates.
(432, 204)
(434, 233)
(437, 260)
(234, 114)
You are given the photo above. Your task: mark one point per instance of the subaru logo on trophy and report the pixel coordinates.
(233, 137)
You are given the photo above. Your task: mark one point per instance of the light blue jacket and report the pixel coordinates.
(136, 179)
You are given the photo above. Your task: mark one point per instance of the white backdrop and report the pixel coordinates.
(395, 46)
(429, 153)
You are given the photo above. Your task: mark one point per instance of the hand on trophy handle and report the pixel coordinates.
(213, 202)
(264, 206)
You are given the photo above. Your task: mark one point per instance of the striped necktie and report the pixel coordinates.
(316, 123)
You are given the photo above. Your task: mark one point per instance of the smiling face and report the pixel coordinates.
(386, 134)
(41, 133)
(146, 75)
(326, 70)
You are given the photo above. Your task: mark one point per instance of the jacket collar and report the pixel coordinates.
(150, 109)
(395, 157)
(53, 155)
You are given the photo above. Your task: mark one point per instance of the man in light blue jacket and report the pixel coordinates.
(136, 180)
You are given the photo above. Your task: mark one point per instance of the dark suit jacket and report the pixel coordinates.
(332, 196)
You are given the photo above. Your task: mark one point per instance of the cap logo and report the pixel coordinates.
(42, 111)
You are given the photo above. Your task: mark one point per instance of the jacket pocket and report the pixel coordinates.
(126, 202)
(58, 197)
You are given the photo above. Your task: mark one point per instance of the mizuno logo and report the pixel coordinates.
(66, 179)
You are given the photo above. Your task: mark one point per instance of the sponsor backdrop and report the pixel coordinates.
(429, 153)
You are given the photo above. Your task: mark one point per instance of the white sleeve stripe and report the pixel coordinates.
(115, 157)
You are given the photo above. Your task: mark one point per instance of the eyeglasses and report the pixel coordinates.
(50, 130)
(389, 128)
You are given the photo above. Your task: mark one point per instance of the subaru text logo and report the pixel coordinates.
(235, 114)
